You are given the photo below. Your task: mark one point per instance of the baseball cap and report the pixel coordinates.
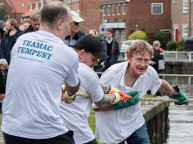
(76, 17)
(91, 44)
(156, 42)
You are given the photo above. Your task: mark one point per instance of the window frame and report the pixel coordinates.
(185, 6)
(124, 8)
(153, 5)
(118, 9)
(109, 10)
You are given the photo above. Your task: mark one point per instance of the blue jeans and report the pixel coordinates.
(140, 136)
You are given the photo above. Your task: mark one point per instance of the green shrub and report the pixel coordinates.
(180, 45)
(162, 37)
(171, 46)
(138, 35)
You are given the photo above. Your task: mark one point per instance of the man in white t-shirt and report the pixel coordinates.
(113, 127)
(40, 63)
(76, 114)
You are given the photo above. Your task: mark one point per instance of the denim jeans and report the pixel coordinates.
(140, 136)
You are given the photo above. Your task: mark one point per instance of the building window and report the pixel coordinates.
(23, 5)
(6, 17)
(124, 8)
(185, 6)
(104, 8)
(109, 10)
(2, 5)
(157, 8)
(118, 9)
(113, 10)
(184, 31)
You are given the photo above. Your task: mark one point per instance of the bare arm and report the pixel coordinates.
(106, 103)
(72, 90)
(166, 88)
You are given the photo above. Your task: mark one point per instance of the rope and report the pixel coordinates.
(86, 95)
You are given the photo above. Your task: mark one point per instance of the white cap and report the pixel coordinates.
(156, 42)
(76, 17)
(2, 61)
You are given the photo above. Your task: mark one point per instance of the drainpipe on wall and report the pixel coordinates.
(190, 16)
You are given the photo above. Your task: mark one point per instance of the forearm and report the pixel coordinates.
(72, 90)
(166, 88)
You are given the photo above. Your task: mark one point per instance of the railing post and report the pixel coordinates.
(190, 56)
(176, 55)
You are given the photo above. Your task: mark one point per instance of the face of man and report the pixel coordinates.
(65, 26)
(108, 35)
(36, 24)
(74, 28)
(88, 58)
(139, 63)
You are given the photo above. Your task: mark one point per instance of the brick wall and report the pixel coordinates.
(138, 12)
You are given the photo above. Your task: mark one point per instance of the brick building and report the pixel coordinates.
(14, 8)
(126, 16)
(182, 19)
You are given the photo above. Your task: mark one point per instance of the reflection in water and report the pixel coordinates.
(181, 117)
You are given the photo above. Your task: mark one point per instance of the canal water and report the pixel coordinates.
(180, 117)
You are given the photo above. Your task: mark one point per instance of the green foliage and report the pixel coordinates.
(162, 37)
(138, 35)
(180, 45)
(171, 46)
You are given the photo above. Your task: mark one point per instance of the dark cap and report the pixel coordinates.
(91, 44)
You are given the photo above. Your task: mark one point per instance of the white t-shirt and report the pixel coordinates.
(76, 114)
(40, 63)
(116, 125)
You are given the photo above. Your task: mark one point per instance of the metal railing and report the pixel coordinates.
(179, 55)
(185, 56)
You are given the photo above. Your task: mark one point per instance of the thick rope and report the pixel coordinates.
(86, 95)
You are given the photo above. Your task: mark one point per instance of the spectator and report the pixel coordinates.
(9, 38)
(75, 32)
(25, 25)
(113, 127)
(35, 23)
(3, 75)
(112, 48)
(40, 63)
(158, 60)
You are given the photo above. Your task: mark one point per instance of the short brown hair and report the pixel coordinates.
(110, 30)
(139, 46)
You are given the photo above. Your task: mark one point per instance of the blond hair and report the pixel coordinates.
(141, 47)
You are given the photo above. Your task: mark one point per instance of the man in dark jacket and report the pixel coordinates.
(35, 23)
(75, 32)
(9, 38)
(111, 47)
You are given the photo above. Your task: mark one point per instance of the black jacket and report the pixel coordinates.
(7, 44)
